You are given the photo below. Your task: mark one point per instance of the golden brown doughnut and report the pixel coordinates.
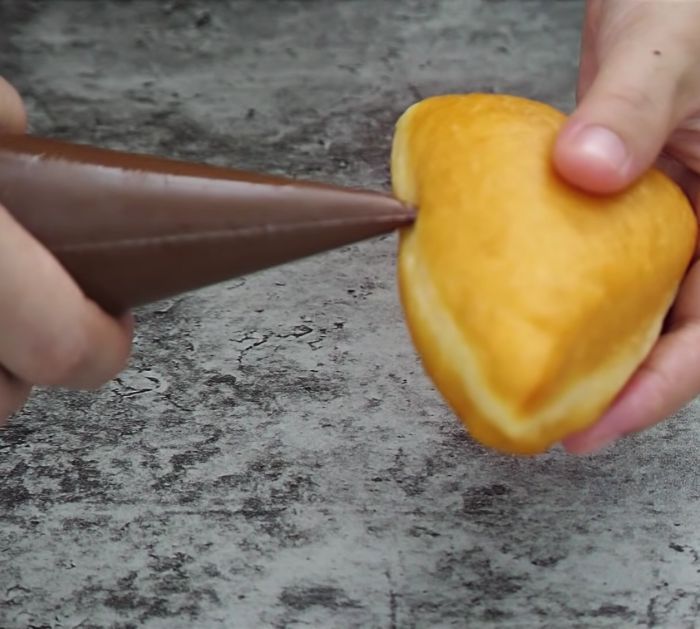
(530, 302)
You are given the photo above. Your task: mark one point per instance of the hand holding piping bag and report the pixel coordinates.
(639, 99)
(88, 232)
(51, 334)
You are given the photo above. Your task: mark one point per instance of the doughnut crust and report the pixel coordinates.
(530, 303)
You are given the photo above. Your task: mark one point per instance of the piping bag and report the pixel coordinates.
(133, 229)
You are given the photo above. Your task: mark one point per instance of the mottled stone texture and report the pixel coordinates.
(274, 456)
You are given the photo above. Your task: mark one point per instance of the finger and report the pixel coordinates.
(53, 335)
(13, 118)
(639, 95)
(668, 378)
(13, 394)
(588, 66)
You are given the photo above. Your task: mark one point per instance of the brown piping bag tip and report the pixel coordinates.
(133, 229)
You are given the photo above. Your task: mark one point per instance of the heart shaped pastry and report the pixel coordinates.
(530, 302)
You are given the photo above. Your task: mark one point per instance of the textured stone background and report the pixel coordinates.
(275, 457)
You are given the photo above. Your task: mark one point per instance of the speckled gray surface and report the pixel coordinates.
(274, 456)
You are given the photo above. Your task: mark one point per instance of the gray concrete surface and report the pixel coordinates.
(274, 456)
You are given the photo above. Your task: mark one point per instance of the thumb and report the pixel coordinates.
(626, 116)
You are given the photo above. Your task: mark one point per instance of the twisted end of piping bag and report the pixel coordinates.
(133, 229)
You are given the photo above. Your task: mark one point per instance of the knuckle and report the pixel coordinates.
(635, 99)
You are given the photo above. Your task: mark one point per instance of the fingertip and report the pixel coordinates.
(111, 342)
(643, 401)
(592, 158)
(128, 323)
(13, 395)
(606, 431)
(13, 115)
(619, 419)
(587, 443)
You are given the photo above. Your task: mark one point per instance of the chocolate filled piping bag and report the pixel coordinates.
(133, 229)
